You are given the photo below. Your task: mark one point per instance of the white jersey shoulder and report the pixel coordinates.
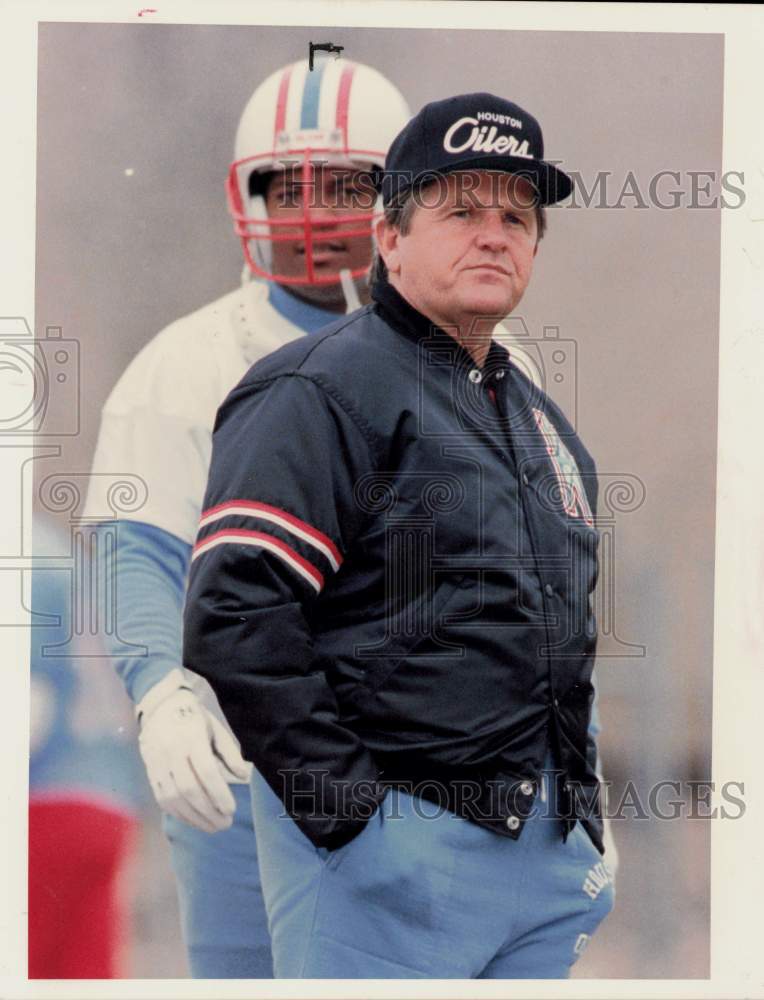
(192, 364)
(157, 423)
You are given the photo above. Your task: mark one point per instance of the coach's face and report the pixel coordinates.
(469, 249)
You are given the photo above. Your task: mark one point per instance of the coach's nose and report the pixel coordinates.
(492, 233)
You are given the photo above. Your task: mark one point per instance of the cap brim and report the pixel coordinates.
(552, 184)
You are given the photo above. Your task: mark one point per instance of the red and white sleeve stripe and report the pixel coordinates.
(267, 515)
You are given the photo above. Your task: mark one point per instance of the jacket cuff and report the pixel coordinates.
(336, 812)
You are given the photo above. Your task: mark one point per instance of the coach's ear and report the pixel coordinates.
(388, 238)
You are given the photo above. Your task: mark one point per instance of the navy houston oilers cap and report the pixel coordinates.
(471, 132)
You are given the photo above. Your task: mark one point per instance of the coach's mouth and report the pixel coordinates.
(489, 267)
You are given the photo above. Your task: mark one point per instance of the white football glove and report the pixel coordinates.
(190, 756)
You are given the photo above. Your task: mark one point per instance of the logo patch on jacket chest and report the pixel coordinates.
(572, 493)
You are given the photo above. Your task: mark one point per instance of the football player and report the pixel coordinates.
(301, 191)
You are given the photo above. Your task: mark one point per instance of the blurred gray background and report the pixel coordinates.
(135, 134)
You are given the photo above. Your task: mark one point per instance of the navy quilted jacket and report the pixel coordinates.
(393, 578)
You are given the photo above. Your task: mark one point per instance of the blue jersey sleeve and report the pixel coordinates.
(81, 727)
(149, 566)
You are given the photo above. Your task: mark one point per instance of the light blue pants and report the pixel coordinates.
(222, 913)
(421, 893)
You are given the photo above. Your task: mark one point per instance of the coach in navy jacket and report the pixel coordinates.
(394, 571)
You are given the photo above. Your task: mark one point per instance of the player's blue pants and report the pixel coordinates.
(222, 914)
(436, 898)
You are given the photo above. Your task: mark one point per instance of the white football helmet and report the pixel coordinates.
(339, 114)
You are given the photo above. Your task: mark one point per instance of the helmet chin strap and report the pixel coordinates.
(349, 290)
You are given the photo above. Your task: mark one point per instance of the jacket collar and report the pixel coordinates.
(406, 320)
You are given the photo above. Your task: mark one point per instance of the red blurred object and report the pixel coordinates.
(76, 920)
